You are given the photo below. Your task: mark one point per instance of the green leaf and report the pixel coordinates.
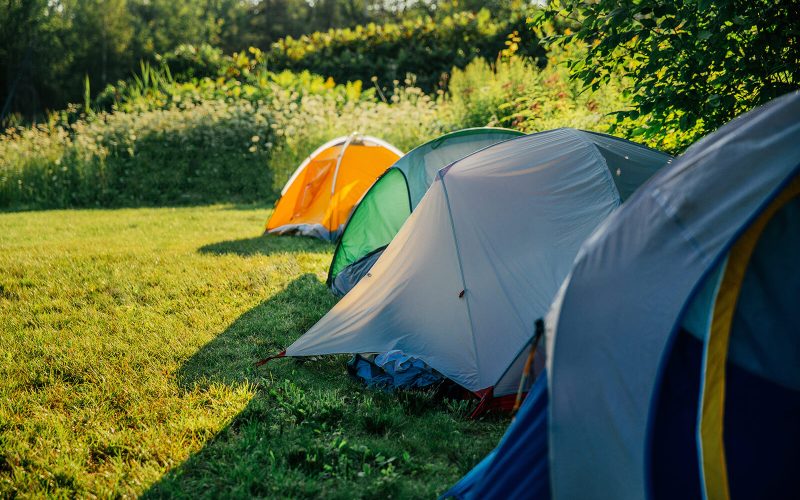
(704, 4)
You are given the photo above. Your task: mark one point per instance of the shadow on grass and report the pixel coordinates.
(234, 461)
(310, 431)
(263, 330)
(264, 245)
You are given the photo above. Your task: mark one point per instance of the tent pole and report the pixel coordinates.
(528, 363)
(350, 139)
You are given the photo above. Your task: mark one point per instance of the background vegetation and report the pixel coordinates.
(127, 337)
(692, 65)
(237, 135)
(49, 48)
(426, 47)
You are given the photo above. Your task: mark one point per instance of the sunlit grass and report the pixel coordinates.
(127, 343)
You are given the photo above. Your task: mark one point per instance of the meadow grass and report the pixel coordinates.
(127, 347)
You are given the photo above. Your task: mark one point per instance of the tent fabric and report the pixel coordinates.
(320, 195)
(352, 274)
(463, 282)
(769, 294)
(387, 205)
(375, 221)
(632, 286)
(725, 382)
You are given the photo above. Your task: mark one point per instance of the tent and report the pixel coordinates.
(463, 282)
(390, 201)
(674, 346)
(319, 196)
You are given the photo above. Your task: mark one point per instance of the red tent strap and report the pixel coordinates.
(490, 402)
(265, 360)
(486, 395)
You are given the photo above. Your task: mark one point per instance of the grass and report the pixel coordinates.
(127, 347)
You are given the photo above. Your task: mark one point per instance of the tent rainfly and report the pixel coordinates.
(321, 194)
(478, 262)
(673, 353)
(390, 201)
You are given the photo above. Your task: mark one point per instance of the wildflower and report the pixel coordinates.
(255, 138)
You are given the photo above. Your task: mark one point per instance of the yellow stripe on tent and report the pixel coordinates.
(712, 410)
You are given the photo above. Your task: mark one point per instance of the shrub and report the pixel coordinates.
(304, 121)
(239, 135)
(518, 94)
(214, 151)
(190, 61)
(423, 47)
(204, 141)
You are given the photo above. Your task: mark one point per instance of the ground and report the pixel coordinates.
(127, 348)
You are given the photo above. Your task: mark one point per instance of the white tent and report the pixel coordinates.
(463, 282)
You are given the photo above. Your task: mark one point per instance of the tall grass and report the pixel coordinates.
(201, 153)
(302, 123)
(514, 92)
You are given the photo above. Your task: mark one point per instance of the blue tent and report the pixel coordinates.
(673, 348)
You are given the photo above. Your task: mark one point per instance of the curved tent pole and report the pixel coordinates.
(350, 139)
(355, 137)
(381, 142)
(329, 144)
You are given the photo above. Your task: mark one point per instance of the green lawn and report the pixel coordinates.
(127, 348)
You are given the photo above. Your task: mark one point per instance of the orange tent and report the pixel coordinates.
(320, 195)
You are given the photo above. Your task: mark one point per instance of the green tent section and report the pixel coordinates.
(390, 201)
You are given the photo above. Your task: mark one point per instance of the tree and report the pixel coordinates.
(692, 65)
(32, 58)
(162, 25)
(99, 40)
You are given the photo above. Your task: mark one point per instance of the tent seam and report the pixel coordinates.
(461, 272)
(602, 159)
(330, 144)
(339, 161)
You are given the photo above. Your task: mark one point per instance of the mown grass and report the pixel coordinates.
(127, 342)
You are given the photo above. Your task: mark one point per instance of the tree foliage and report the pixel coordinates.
(48, 48)
(692, 64)
(425, 47)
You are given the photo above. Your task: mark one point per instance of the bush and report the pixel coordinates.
(214, 151)
(238, 136)
(303, 122)
(423, 47)
(517, 93)
(204, 141)
(189, 61)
